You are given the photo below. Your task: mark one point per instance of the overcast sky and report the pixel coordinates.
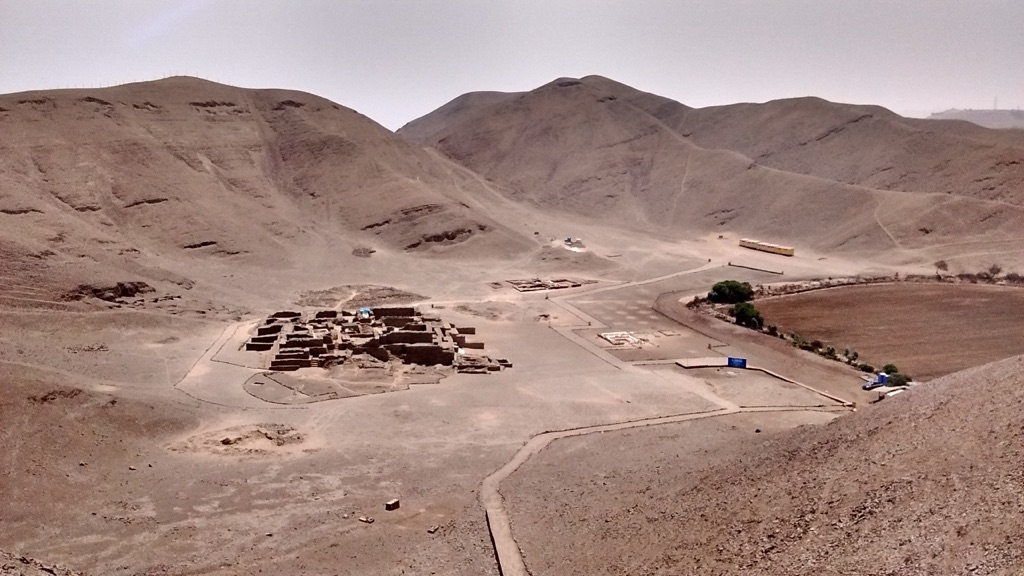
(396, 60)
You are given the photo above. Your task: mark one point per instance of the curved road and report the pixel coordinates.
(509, 556)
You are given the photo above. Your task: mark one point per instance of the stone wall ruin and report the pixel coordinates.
(328, 338)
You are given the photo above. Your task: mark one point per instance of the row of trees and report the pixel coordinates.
(746, 314)
(739, 295)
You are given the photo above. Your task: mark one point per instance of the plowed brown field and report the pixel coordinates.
(927, 330)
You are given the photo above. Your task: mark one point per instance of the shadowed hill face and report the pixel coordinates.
(186, 167)
(803, 171)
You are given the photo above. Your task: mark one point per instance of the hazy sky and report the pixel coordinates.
(396, 60)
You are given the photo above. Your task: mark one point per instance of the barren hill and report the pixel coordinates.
(865, 145)
(928, 482)
(804, 171)
(185, 168)
(999, 119)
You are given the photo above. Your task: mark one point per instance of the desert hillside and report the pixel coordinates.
(137, 176)
(928, 482)
(864, 145)
(999, 119)
(805, 171)
(189, 389)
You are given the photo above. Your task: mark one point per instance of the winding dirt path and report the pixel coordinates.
(506, 549)
(499, 522)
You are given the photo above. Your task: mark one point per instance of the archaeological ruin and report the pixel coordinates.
(536, 284)
(326, 338)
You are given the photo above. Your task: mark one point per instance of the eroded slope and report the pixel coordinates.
(803, 171)
(135, 176)
(928, 482)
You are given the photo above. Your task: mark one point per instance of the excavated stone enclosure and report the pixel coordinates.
(327, 338)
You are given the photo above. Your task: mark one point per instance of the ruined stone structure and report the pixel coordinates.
(536, 284)
(328, 337)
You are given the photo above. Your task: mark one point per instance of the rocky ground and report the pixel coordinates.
(928, 482)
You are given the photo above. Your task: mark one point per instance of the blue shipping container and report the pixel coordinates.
(737, 362)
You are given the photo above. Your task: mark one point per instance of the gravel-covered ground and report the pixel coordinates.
(928, 482)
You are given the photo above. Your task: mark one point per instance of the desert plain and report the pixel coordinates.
(149, 229)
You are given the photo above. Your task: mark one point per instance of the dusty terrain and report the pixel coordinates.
(921, 328)
(145, 228)
(806, 172)
(915, 485)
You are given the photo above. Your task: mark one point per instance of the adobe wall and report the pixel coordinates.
(398, 321)
(407, 337)
(394, 311)
(428, 354)
(271, 329)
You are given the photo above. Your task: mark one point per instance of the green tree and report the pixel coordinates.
(747, 315)
(731, 292)
(890, 369)
(898, 379)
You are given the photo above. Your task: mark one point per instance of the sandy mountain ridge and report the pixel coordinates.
(136, 176)
(148, 180)
(804, 171)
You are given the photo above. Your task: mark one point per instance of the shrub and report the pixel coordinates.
(866, 368)
(994, 270)
(731, 292)
(773, 330)
(890, 369)
(747, 315)
(898, 379)
(816, 344)
(942, 265)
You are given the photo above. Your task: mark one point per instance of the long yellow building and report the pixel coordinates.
(767, 247)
